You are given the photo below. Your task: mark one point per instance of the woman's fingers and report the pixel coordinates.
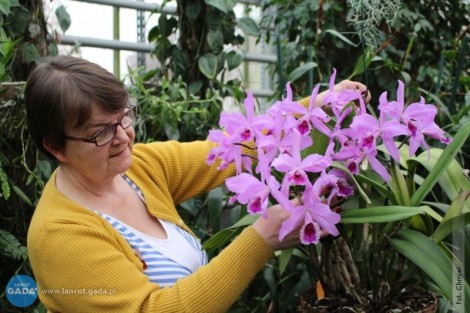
(354, 85)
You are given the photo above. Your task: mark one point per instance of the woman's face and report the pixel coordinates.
(98, 164)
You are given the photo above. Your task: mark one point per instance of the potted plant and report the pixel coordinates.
(359, 178)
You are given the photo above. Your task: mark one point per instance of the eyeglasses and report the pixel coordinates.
(107, 134)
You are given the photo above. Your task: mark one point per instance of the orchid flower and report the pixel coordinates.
(419, 118)
(245, 128)
(364, 131)
(226, 150)
(276, 139)
(295, 167)
(313, 213)
(310, 116)
(339, 99)
(335, 183)
(283, 163)
(250, 191)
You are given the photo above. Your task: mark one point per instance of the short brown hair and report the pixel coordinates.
(61, 91)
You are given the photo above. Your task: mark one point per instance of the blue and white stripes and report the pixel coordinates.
(160, 269)
(165, 260)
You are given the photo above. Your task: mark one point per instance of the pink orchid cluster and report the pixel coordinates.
(279, 138)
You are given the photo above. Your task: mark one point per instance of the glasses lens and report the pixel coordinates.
(106, 135)
(128, 118)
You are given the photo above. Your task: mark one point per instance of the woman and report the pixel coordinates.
(106, 235)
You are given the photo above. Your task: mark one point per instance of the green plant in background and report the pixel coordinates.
(432, 255)
(24, 37)
(23, 172)
(169, 111)
(314, 36)
(191, 45)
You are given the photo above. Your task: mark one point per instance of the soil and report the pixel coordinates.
(409, 300)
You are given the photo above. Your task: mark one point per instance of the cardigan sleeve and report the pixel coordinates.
(180, 167)
(80, 268)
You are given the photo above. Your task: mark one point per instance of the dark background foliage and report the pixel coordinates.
(426, 46)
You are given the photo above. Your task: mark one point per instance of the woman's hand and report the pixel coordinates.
(268, 228)
(342, 85)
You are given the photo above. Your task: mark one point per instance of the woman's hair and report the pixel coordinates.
(61, 91)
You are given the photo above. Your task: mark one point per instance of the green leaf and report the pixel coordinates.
(249, 26)
(301, 70)
(228, 233)
(208, 65)
(164, 25)
(399, 188)
(215, 40)
(10, 246)
(162, 49)
(450, 226)
(223, 5)
(234, 59)
(379, 214)
(441, 165)
(63, 17)
(4, 185)
(360, 66)
(153, 34)
(376, 184)
(19, 21)
(454, 218)
(429, 257)
(215, 205)
(195, 86)
(180, 60)
(432, 213)
(5, 6)
(452, 180)
(30, 53)
(340, 36)
(3, 74)
(284, 258)
(219, 239)
(6, 49)
(22, 195)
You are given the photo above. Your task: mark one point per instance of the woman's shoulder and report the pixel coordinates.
(163, 148)
(55, 211)
(170, 154)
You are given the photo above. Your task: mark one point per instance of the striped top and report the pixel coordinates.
(165, 260)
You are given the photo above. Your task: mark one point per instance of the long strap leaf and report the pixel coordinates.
(429, 257)
(447, 156)
(381, 214)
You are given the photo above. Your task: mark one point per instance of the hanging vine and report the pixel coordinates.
(368, 15)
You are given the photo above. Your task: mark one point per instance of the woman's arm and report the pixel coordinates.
(83, 268)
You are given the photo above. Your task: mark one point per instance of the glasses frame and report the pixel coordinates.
(130, 109)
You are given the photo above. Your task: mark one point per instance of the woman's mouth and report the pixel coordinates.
(118, 153)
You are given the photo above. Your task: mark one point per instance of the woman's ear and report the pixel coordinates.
(57, 153)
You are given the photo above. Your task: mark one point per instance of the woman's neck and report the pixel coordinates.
(74, 184)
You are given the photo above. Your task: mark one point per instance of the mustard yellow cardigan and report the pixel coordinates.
(82, 264)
